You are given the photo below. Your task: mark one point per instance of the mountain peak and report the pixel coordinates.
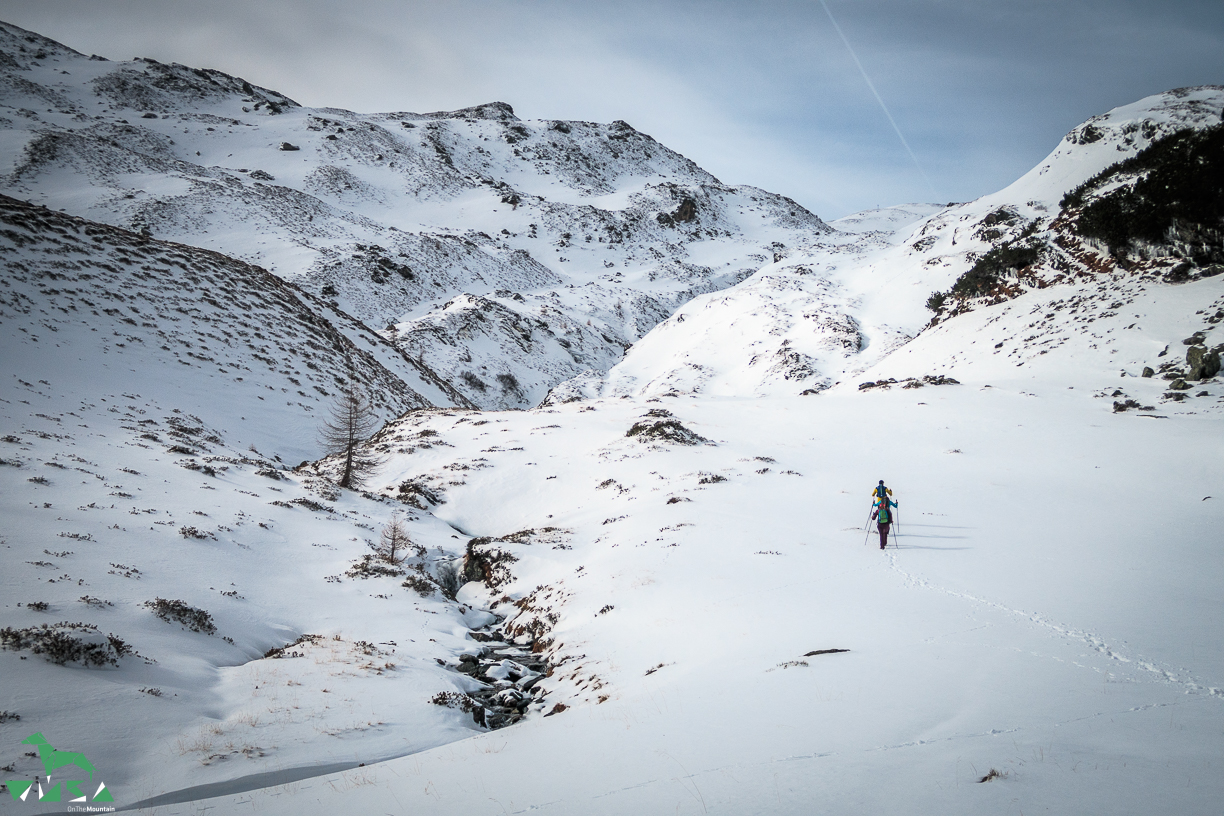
(495, 111)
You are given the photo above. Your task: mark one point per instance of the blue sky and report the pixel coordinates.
(762, 93)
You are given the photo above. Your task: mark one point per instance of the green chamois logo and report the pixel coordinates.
(52, 761)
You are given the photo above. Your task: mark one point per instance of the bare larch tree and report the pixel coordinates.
(394, 543)
(350, 421)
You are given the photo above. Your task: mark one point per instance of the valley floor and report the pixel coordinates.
(1051, 614)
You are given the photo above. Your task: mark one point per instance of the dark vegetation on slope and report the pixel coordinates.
(1176, 200)
(176, 611)
(985, 274)
(1168, 197)
(56, 643)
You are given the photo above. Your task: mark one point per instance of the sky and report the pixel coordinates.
(922, 100)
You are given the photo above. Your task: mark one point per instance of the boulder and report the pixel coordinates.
(1180, 273)
(1194, 339)
(1202, 362)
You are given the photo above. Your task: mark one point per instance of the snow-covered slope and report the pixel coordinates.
(825, 314)
(1050, 615)
(127, 516)
(584, 235)
(108, 309)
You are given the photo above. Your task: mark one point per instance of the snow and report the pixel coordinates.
(473, 202)
(1016, 628)
(699, 621)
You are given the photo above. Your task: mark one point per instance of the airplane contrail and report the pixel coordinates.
(879, 99)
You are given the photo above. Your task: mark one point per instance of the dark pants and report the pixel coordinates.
(883, 527)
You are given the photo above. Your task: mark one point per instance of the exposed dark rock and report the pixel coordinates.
(1179, 273)
(910, 382)
(509, 676)
(488, 564)
(687, 211)
(665, 430)
(1202, 362)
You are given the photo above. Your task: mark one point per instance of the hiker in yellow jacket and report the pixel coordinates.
(881, 511)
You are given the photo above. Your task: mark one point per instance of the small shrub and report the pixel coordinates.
(192, 532)
(448, 579)
(993, 774)
(57, 643)
(286, 650)
(711, 478)
(9, 716)
(311, 504)
(453, 699)
(371, 565)
(38, 606)
(418, 495)
(419, 584)
(175, 611)
(473, 381)
(191, 464)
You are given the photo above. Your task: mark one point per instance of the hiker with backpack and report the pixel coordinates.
(881, 511)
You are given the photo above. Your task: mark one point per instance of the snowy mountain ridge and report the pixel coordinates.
(584, 236)
(829, 313)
